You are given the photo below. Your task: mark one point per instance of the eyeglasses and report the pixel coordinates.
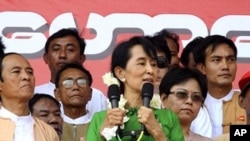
(68, 83)
(162, 62)
(183, 95)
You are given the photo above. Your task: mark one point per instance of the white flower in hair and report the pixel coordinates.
(109, 79)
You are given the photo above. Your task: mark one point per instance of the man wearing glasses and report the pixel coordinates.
(63, 47)
(73, 89)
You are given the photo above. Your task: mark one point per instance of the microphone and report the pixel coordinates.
(114, 95)
(114, 98)
(147, 95)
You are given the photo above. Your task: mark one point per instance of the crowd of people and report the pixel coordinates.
(194, 90)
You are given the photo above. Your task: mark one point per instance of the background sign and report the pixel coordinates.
(25, 25)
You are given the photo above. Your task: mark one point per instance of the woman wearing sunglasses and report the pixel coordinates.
(183, 90)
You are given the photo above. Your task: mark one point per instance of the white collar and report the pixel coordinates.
(17, 119)
(225, 98)
(80, 120)
(51, 84)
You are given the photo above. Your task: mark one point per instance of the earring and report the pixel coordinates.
(123, 79)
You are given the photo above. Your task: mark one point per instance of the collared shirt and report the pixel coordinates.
(215, 110)
(81, 120)
(24, 125)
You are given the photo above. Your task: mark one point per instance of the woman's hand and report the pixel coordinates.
(146, 116)
(113, 118)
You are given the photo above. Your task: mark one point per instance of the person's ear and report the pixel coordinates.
(45, 58)
(198, 66)
(1, 83)
(241, 102)
(82, 58)
(57, 94)
(90, 94)
(201, 67)
(164, 99)
(119, 72)
(0, 96)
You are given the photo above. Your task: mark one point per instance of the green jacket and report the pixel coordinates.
(167, 119)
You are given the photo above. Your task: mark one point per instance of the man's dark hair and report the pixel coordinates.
(63, 33)
(38, 96)
(212, 41)
(161, 46)
(73, 66)
(191, 47)
(2, 56)
(164, 33)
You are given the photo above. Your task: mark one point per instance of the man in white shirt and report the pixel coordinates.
(66, 46)
(244, 102)
(17, 84)
(218, 55)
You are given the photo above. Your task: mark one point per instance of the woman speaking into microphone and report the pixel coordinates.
(134, 65)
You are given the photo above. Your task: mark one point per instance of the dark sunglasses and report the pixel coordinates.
(183, 94)
(162, 62)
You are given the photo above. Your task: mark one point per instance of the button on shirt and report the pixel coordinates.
(24, 125)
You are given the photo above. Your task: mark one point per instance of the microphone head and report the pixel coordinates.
(114, 92)
(147, 90)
